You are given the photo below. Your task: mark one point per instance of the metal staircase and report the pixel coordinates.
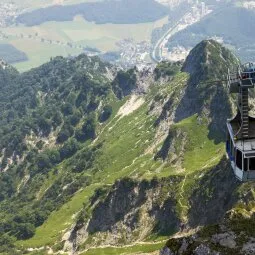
(241, 128)
(240, 80)
(245, 112)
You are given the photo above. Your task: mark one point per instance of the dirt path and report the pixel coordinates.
(182, 192)
(211, 160)
(126, 246)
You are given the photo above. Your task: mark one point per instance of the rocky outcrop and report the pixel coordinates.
(208, 60)
(166, 251)
(234, 235)
(249, 247)
(214, 195)
(130, 211)
(204, 250)
(203, 243)
(225, 240)
(207, 99)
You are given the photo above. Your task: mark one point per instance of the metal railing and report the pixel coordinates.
(245, 75)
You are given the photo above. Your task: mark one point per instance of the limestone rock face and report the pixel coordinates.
(204, 250)
(207, 99)
(129, 212)
(225, 239)
(166, 251)
(249, 248)
(184, 246)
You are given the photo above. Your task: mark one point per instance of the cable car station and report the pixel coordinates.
(240, 143)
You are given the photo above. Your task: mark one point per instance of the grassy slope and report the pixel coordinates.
(125, 141)
(119, 141)
(200, 155)
(201, 152)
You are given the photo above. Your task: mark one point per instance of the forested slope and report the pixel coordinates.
(97, 160)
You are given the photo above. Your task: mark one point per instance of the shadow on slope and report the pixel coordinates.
(125, 201)
(130, 211)
(216, 193)
(208, 61)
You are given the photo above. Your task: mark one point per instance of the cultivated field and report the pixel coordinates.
(39, 53)
(35, 4)
(78, 33)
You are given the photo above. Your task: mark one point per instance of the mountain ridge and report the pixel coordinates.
(106, 163)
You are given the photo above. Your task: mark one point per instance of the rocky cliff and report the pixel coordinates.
(114, 162)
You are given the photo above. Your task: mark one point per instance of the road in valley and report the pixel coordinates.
(186, 20)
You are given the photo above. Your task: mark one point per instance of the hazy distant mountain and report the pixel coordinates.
(121, 12)
(234, 25)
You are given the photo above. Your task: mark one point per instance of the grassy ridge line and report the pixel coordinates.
(132, 249)
(200, 155)
(140, 248)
